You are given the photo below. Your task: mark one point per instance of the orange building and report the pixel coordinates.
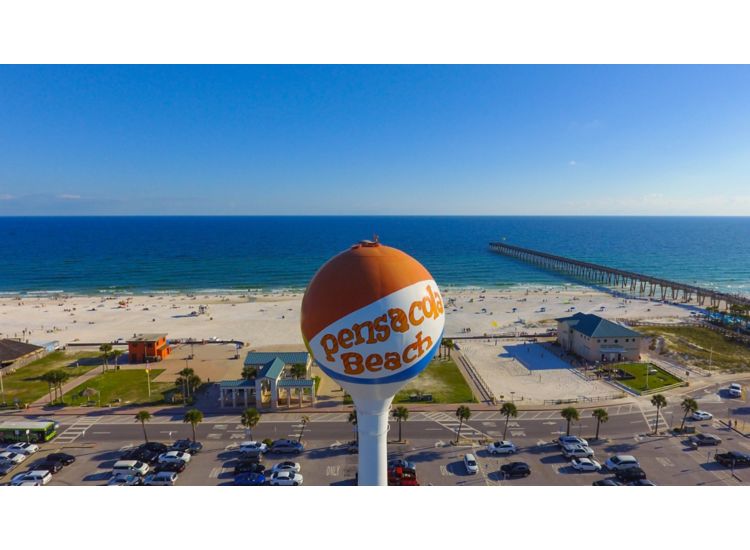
(148, 347)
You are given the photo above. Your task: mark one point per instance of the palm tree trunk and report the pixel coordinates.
(145, 435)
(458, 435)
(193, 425)
(656, 426)
(399, 429)
(505, 431)
(682, 426)
(567, 431)
(598, 423)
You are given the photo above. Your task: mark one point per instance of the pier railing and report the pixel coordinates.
(634, 282)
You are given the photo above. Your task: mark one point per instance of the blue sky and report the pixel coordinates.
(374, 140)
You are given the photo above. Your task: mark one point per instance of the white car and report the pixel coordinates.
(702, 415)
(286, 478)
(174, 456)
(253, 447)
(286, 466)
(735, 390)
(125, 480)
(621, 462)
(501, 448)
(577, 451)
(586, 465)
(23, 448)
(33, 477)
(472, 466)
(161, 478)
(571, 440)
(14, 458)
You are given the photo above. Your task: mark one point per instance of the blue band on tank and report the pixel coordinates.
(411, 372)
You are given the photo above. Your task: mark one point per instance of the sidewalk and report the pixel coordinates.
(69, 385)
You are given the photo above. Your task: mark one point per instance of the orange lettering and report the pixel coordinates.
(373, 362)
(352, 363)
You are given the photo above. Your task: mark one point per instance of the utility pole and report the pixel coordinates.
(148, 378)
(2, 388)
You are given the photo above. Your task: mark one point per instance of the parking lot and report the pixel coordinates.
(98, 442)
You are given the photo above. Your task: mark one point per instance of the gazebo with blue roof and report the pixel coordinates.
(271, 379)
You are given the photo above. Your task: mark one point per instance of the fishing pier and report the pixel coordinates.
(644, 285)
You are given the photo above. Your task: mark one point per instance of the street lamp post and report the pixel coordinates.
(148, 379)
(2, 388)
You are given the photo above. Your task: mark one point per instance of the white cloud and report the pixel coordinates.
(572, 163)
(6, 197)
(67, 197)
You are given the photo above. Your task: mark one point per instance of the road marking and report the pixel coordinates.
(444, 471)
(101, 433)
(664, 461)
(215, 472)
(220, 426)
(214, 436)
(333, 471)
(236, 436)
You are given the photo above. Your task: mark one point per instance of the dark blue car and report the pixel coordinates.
(250, 478)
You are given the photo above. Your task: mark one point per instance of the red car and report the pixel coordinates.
(400, 475)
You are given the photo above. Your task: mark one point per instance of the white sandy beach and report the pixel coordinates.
(262, 320)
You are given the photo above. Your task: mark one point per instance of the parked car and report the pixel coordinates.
(65, 458)
(736, 458)
(23, 448)
(253, 448)
(287, 446)
(286, 478)
(577, 451)
(7, 467)
(161, 478)
(135, 467)
(735, 390)
(621, 462)
(501, 448)
(125, 480)
(630, 474)
(286, 466)
(402, 476)
(641, 483)
(249, 467)
(586, 465)
(174, 456)
(177, 466)
(704, 439)
(36, 477)
(702, 415)
(607, 482)
(141, 454)
(515, 469)
(250, 478)
(50, 465)
(471, 464)
(9, 456)
(396, 462)
(571, 440)
(154, 446)
(352, 448)
(187, 445)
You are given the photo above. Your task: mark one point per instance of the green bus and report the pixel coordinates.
(32, 432)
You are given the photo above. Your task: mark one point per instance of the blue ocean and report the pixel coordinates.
(90, 255)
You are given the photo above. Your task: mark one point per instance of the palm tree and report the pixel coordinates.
(194, 417)
(143, 417)
(448, 343)
(689, 405)
(183, 380)
(50, 379)
(401, 414)
(298, 370)
(508, 410)
(250, 418)
(305, 420)
(602, 416)
(249, 372)
(116, 355)
(105, 349)
(462, 413)
(58, 378)
(353, 421)
(658, 401)
(569, 413)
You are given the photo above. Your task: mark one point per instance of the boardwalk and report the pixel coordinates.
(643, 285)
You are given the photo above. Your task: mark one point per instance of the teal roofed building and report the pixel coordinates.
(598, 340)
(273, 382)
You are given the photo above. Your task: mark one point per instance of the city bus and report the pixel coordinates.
(33, 432)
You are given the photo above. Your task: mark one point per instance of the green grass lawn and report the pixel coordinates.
(697, 343)
(443, 380)
(25, 384)
(656, 380)
(129, 386)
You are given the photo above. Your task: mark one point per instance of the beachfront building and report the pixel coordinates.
(148, 347)
(273, 382)
(15, 353)
(596, 339)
